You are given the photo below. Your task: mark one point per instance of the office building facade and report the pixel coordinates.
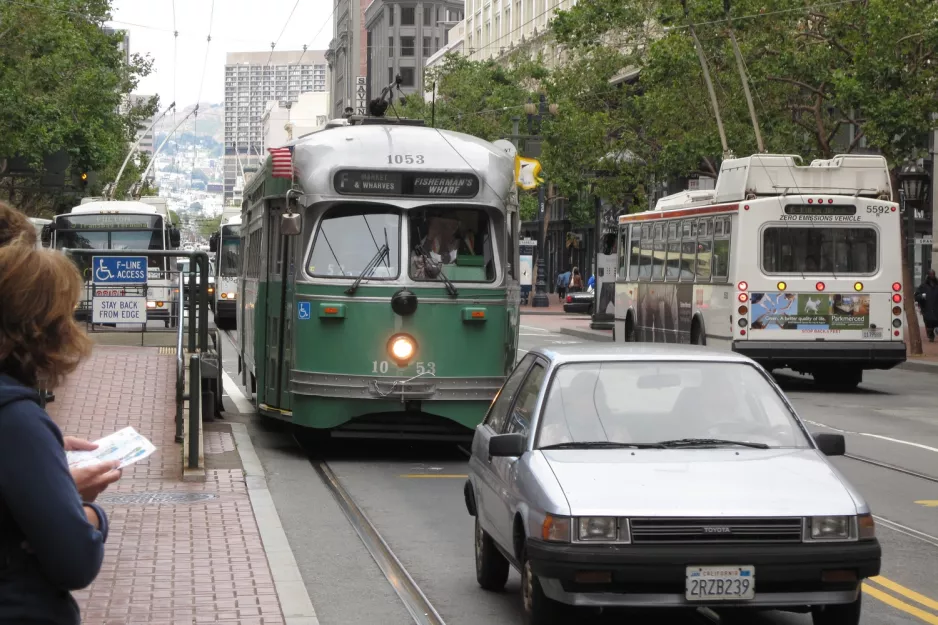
(347, 56)
(402, 35)
(252, 79)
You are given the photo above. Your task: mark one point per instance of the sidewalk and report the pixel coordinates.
(555, 308)
(177, 552)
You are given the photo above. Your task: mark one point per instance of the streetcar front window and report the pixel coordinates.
(456, 241)
(349, 238)
(230, 254)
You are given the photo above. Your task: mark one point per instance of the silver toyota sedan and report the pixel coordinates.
(662, 476)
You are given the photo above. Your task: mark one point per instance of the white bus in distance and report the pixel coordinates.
(795, 266)
(122, 225)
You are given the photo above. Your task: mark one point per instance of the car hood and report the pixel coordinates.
(700, 482)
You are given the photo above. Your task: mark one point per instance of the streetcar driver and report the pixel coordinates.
(442, 244)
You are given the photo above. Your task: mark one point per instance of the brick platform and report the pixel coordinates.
(200, 561)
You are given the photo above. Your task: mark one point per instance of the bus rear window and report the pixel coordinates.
(820, 249)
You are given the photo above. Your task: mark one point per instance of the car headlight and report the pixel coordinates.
(824, 528)
(603, 529)
(402, 348)
(556, 529)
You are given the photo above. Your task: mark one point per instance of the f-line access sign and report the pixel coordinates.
(119, 269)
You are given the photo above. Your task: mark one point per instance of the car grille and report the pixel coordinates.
(724, 531)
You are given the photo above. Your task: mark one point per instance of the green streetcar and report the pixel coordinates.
(379, 291)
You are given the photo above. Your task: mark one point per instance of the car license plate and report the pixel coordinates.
(873, 334)
(720, 583)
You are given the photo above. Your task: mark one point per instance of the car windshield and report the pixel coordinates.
(665, 402)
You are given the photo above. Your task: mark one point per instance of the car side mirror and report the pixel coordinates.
(213, 243)
(831, 444)
(506, 445)
(290, 224)
(174, 237)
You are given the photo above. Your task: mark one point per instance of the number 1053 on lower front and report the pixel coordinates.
(383, 366)
(720, 583)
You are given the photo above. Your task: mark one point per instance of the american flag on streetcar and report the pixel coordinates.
(282, 162)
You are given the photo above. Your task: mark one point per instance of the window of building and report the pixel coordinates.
(427, 50)
(390, 75)
(428, 16)
(436, 41)
(391, 15)
(408, 77)
(407, 16)
(407, 46)
(391, 47)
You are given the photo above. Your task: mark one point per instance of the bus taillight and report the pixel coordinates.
(896, 287)
(781, 286)
(858, 286)
(896, 298)
(819, 286)
(742, 310)
(743, 297)
(743, 286)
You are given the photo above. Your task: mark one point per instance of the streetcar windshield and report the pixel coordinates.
(350, 237)
(820, 249)
(230, 253)
(457, 242)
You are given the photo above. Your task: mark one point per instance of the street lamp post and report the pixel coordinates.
(913, 187)
(535, 115)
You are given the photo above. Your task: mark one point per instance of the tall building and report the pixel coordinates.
(347, 55)
(143, 133)
(402, 35)
(496, 27)
(251, 80)
(124, 44)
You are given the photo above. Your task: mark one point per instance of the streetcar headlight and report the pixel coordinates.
(822, 528)
(151, 304)
(402, 348)
(232, 295)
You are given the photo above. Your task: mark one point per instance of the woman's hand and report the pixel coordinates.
(91, 481)
(79, 444)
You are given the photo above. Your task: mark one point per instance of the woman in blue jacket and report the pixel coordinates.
(51, 542)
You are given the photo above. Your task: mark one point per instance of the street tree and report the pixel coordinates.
(63, 83)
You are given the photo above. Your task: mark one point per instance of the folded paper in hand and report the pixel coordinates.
(125, 445)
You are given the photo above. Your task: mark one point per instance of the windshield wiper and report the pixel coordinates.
(695, 442)
(450, 288)
(374, 262)
(604, 445)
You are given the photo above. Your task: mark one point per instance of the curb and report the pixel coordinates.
(921, 367)
(291, 590)
(587, 334)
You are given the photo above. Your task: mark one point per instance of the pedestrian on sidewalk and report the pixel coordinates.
(927, 297)
(576, 282)
(563, 283)
(15, 226)
(51, 541)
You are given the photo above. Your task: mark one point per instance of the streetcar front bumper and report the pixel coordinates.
(800, 354)
(404, 388)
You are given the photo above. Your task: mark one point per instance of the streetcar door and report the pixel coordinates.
(275, 302)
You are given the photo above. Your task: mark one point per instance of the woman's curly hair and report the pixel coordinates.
(40, 341)
(14, 224)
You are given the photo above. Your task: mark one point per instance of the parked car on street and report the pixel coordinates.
(662, 476)
(579, 302)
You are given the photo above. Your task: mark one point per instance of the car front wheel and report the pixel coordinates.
(491, 565)
(841, 614)
(539, 609)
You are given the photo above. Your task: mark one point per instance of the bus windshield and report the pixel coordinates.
(230, 253)
(820, 249)
(349, 237)
(110, 232)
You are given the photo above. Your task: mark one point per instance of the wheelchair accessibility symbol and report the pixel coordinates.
(102, 273)
(303, 310)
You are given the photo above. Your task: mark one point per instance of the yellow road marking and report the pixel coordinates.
(899, 589)
(928, 503)
(889, 600)
(434, 475)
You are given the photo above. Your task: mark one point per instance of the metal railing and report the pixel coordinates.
(180, 369)
(195, 409)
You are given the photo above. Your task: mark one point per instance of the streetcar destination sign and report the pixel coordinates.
(412, 184)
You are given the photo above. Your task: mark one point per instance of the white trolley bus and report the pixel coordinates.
(122, 225)
(794, 266)
(226, 244)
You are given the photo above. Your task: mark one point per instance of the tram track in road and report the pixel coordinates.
(892, 467)
(415, 601)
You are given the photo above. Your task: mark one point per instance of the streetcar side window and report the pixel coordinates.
(454, 241)
(351, 240)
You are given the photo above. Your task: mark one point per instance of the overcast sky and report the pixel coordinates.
(236, 26)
